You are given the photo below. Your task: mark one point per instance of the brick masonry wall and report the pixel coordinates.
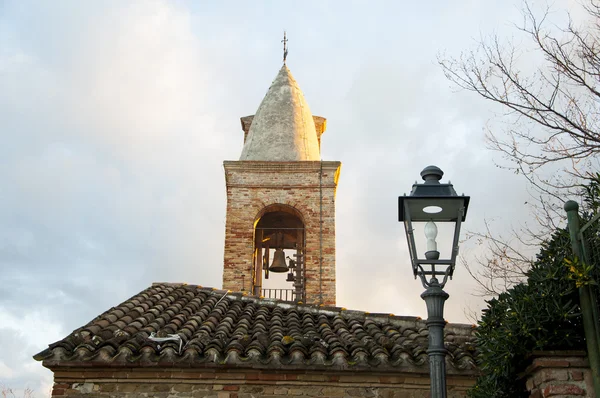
(559, 376)
(252, 186)
(176, 383)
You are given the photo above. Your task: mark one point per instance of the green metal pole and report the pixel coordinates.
(435, 297)
(585, 298)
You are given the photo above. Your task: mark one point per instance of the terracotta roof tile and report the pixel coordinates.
(219, 329)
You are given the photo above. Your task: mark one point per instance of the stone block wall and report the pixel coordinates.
(177, 383)
(559, 375)
(307, 187)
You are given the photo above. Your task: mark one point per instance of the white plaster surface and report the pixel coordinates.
(283, 128)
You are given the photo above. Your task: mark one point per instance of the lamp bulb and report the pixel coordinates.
(431, 232)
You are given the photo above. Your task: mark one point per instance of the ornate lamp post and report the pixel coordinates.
(430, 203)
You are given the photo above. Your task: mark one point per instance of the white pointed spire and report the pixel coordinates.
(283, 128)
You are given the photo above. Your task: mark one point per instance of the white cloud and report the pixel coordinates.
(116, 117)
(5, 371)
(20, 336)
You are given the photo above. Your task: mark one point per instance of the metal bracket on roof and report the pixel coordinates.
(170, 337)
(221, 299)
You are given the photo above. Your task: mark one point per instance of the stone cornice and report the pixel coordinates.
(269, 167)
(331, 173)
(281, 186)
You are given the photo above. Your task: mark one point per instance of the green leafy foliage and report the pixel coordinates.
(541, 314)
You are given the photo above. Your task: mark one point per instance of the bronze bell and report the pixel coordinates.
(278, 264)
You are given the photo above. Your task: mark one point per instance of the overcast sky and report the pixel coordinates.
(116, 116)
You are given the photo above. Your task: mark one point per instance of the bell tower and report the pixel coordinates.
(280, 225)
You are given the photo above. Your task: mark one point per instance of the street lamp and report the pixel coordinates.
(432, 203)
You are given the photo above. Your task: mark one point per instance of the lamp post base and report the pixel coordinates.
(435, 297)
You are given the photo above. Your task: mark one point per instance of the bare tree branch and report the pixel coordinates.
(549, 132)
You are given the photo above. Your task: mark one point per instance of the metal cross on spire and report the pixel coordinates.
(285, 51)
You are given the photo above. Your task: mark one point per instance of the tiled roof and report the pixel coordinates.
(214, 328)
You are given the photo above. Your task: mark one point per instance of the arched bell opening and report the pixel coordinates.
(279, 243)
